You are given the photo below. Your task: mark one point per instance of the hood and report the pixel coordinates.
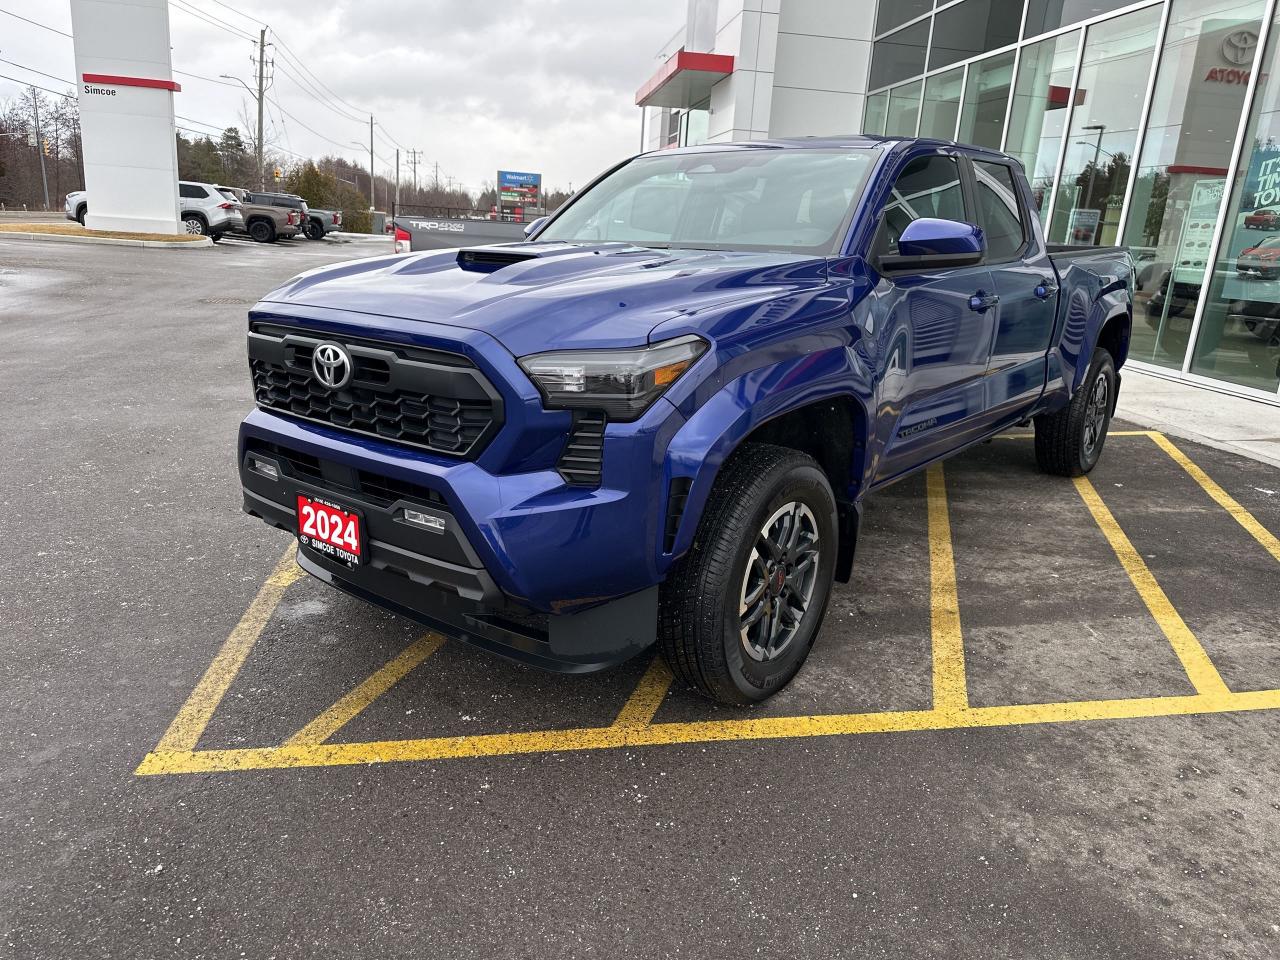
(542, 296)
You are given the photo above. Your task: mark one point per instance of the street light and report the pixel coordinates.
(360, 146)
(257, 97)
(1093, 171)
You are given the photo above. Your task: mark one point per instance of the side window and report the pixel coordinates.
(999, 213)
(928, 187)
(191, 191)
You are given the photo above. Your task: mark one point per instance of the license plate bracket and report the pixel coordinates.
(333, 530)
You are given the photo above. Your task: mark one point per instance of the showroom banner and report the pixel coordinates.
(124, 79)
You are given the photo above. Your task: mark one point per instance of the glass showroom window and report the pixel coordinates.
(1039, 114)
(971, 28)
(895, 14)
(874, 116)
(1239, 335)
(899, 56)
(1104, 128)
(904, 110)
(1201, 81)
(1046, 15)
(986, 97)
(941, 106)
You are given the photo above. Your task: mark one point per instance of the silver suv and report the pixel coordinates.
(205, 211)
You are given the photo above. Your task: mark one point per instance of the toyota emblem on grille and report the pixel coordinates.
(331, 364)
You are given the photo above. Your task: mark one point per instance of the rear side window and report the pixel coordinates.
(928, 187)
(191, 191)
(999, 213)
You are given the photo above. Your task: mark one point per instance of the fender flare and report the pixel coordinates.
(719, 426)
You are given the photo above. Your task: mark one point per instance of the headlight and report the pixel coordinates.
(620, 382)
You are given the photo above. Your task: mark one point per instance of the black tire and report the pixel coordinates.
(262, 231)
(215, 237)
(315, 230)
(80, 214)
(700, 626)
(1069, 442)
(195, 225)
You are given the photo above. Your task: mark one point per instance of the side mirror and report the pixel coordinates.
(930, 244)
(535, 226)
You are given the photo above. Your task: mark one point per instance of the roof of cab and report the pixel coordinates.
(827, 142)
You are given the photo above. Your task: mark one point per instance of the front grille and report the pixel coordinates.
(582, 461)
(345, 481)
(419, 398)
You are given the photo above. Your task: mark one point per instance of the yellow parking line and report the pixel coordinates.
(763, 728)
(1200, 669)
(350, 704)
(1224, 499)
(185, 730)
(950, 690)
(647, 697)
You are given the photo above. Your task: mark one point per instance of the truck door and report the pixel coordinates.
(1027, 286)
(933, 331)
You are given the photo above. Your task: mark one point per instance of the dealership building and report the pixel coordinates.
(1152, 124)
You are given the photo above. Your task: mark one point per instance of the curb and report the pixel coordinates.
(112, 241)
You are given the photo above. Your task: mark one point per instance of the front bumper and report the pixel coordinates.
(546, 578)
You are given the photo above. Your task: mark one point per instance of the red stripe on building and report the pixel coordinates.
(132, 82)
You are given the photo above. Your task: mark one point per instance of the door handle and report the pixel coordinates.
(982, 302)
(1045, 289)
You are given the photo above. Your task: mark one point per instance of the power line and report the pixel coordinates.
(238, 13)
(212, 21)
(196, 76)
(27, 83)
(34, 70)
(318, 98)
(307, 70)
(305, 127)
(42, 26)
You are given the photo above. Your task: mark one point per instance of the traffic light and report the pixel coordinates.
(45, 141)
(279, 173)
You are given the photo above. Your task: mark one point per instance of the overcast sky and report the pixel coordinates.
(539, 85)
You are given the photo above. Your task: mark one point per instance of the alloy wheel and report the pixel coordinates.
(778, 584)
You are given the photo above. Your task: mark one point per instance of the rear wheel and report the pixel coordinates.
(1069, 441)
(262, 231)
(315, 230)
(194, 224)
(740, 611)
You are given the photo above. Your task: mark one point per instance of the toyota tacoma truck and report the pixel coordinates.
(656, 419)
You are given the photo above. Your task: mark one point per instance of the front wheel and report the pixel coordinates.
(1069, 441)
(739, 613)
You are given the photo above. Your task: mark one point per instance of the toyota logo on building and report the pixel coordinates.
(1238, 47)
(332, 365)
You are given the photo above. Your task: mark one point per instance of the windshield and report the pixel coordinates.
(742, 199)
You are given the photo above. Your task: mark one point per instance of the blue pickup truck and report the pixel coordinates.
(656, 418)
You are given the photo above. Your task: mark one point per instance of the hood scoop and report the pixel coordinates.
(489, 259)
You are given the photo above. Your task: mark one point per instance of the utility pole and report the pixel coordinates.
(44, 178)
(262, 72)
(396, 204)
(372, 202)
(435, 180)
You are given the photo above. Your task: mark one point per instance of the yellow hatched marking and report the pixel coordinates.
(647, 697)
(950, 689)
(1200, 669)
(354, 701)
(765, 728)
(1224, 499)
(185, 730)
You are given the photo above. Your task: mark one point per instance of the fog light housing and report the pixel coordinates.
(427, 521)
(264, 468)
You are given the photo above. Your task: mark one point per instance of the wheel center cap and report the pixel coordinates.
(777, 581)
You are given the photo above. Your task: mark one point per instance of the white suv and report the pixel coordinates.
(205, 211)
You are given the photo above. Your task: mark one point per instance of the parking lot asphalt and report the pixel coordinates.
(1040, 722)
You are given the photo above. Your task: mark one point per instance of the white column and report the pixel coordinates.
(124, 76)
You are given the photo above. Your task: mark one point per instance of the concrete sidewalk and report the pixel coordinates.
(1250, 428)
